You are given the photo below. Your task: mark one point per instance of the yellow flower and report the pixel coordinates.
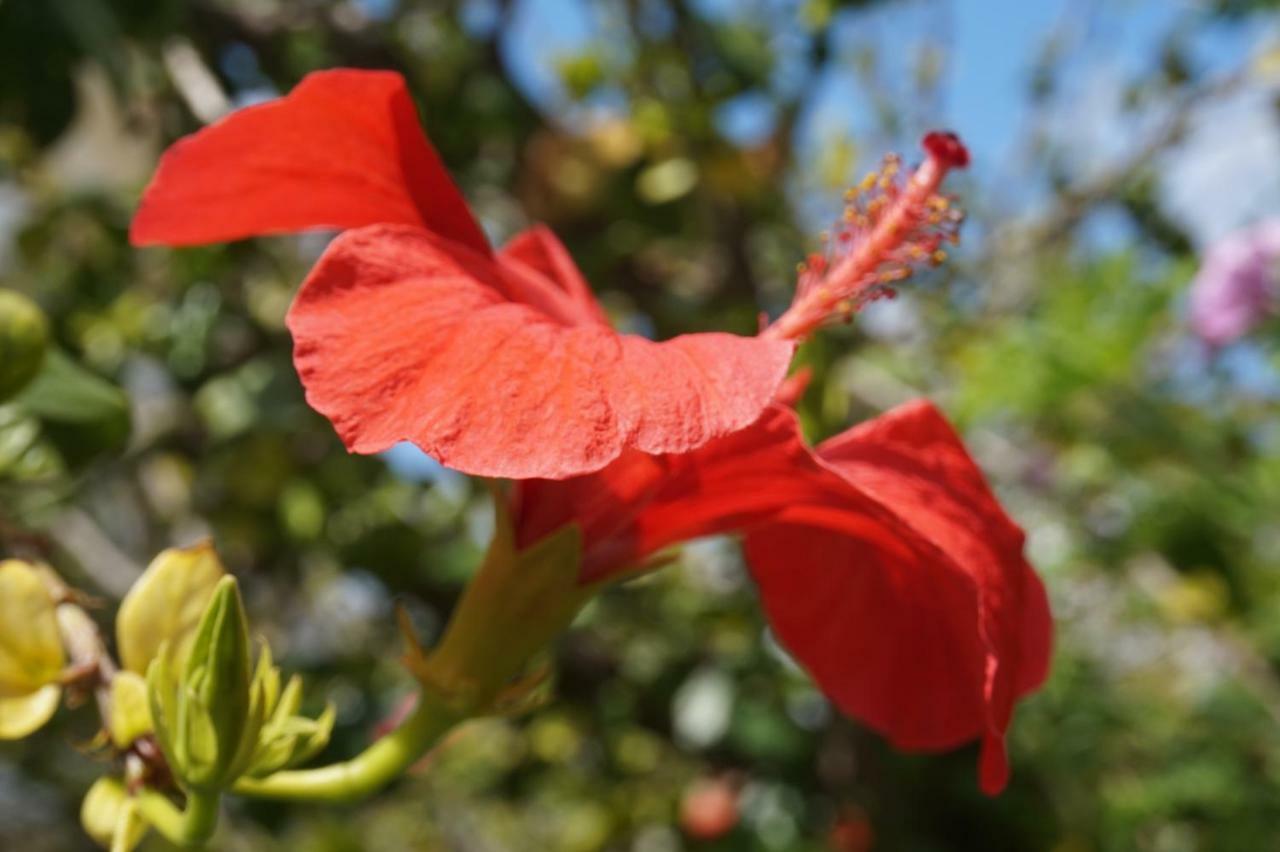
(31, 654)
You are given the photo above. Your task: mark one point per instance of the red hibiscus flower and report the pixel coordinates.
(411, 327)
(885, 564)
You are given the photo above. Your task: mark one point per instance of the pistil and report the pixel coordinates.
(890, 227)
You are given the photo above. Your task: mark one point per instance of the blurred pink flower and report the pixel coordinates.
(1238, 284)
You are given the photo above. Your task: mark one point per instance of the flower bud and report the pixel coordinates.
(24, 337)
(208, 718)
(221, 719)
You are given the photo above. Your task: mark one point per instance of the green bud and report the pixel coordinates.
(208, 718)
(24, 336)
(218, 720)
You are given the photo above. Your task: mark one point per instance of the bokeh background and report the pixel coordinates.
(689, 152)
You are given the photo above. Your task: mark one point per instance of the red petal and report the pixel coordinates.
(640, 503)
(400, 335)
(342, 150)
(907, 596)
(537, 259)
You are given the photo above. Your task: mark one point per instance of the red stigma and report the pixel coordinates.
(946, 147)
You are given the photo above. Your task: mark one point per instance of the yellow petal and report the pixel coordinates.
(23, 715)
(101, 810)
(31, 655)
(111, 817)
(130, 709)
(166, 604)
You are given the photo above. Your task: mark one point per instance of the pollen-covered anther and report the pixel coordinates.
(892, 224)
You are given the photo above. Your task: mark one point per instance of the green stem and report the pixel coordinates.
(190, 827)
(367, 773)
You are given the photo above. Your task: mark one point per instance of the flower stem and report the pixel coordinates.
(515, 606)
(191, 827)
(367, 773)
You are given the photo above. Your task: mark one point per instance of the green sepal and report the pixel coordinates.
(219, 691)
(285, 739)
(515, 606)
(162, 697)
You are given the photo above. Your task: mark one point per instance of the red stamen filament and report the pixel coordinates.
(889, 228)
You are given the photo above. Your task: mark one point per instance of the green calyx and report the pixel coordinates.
(513, 609)
(24, 337)
(286, 738)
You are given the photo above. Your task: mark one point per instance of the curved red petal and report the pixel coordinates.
(342, 150)
(907, 595)
(400, 335)
(885, 625)
(550, 278)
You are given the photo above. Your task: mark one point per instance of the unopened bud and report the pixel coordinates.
(208, 719)
(24, 337)
(222, 719)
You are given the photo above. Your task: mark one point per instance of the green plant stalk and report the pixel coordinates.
(190, 827)
(514, 607)
(367, 773)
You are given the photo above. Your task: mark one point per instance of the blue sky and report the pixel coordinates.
(990, 46)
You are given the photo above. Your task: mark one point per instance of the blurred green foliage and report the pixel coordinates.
(1147, 474)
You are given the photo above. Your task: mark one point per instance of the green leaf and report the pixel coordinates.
(82, 413)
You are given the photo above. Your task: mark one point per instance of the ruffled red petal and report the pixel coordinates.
(342, 150)
(401, 335)
(906, 594)
(885, 564)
